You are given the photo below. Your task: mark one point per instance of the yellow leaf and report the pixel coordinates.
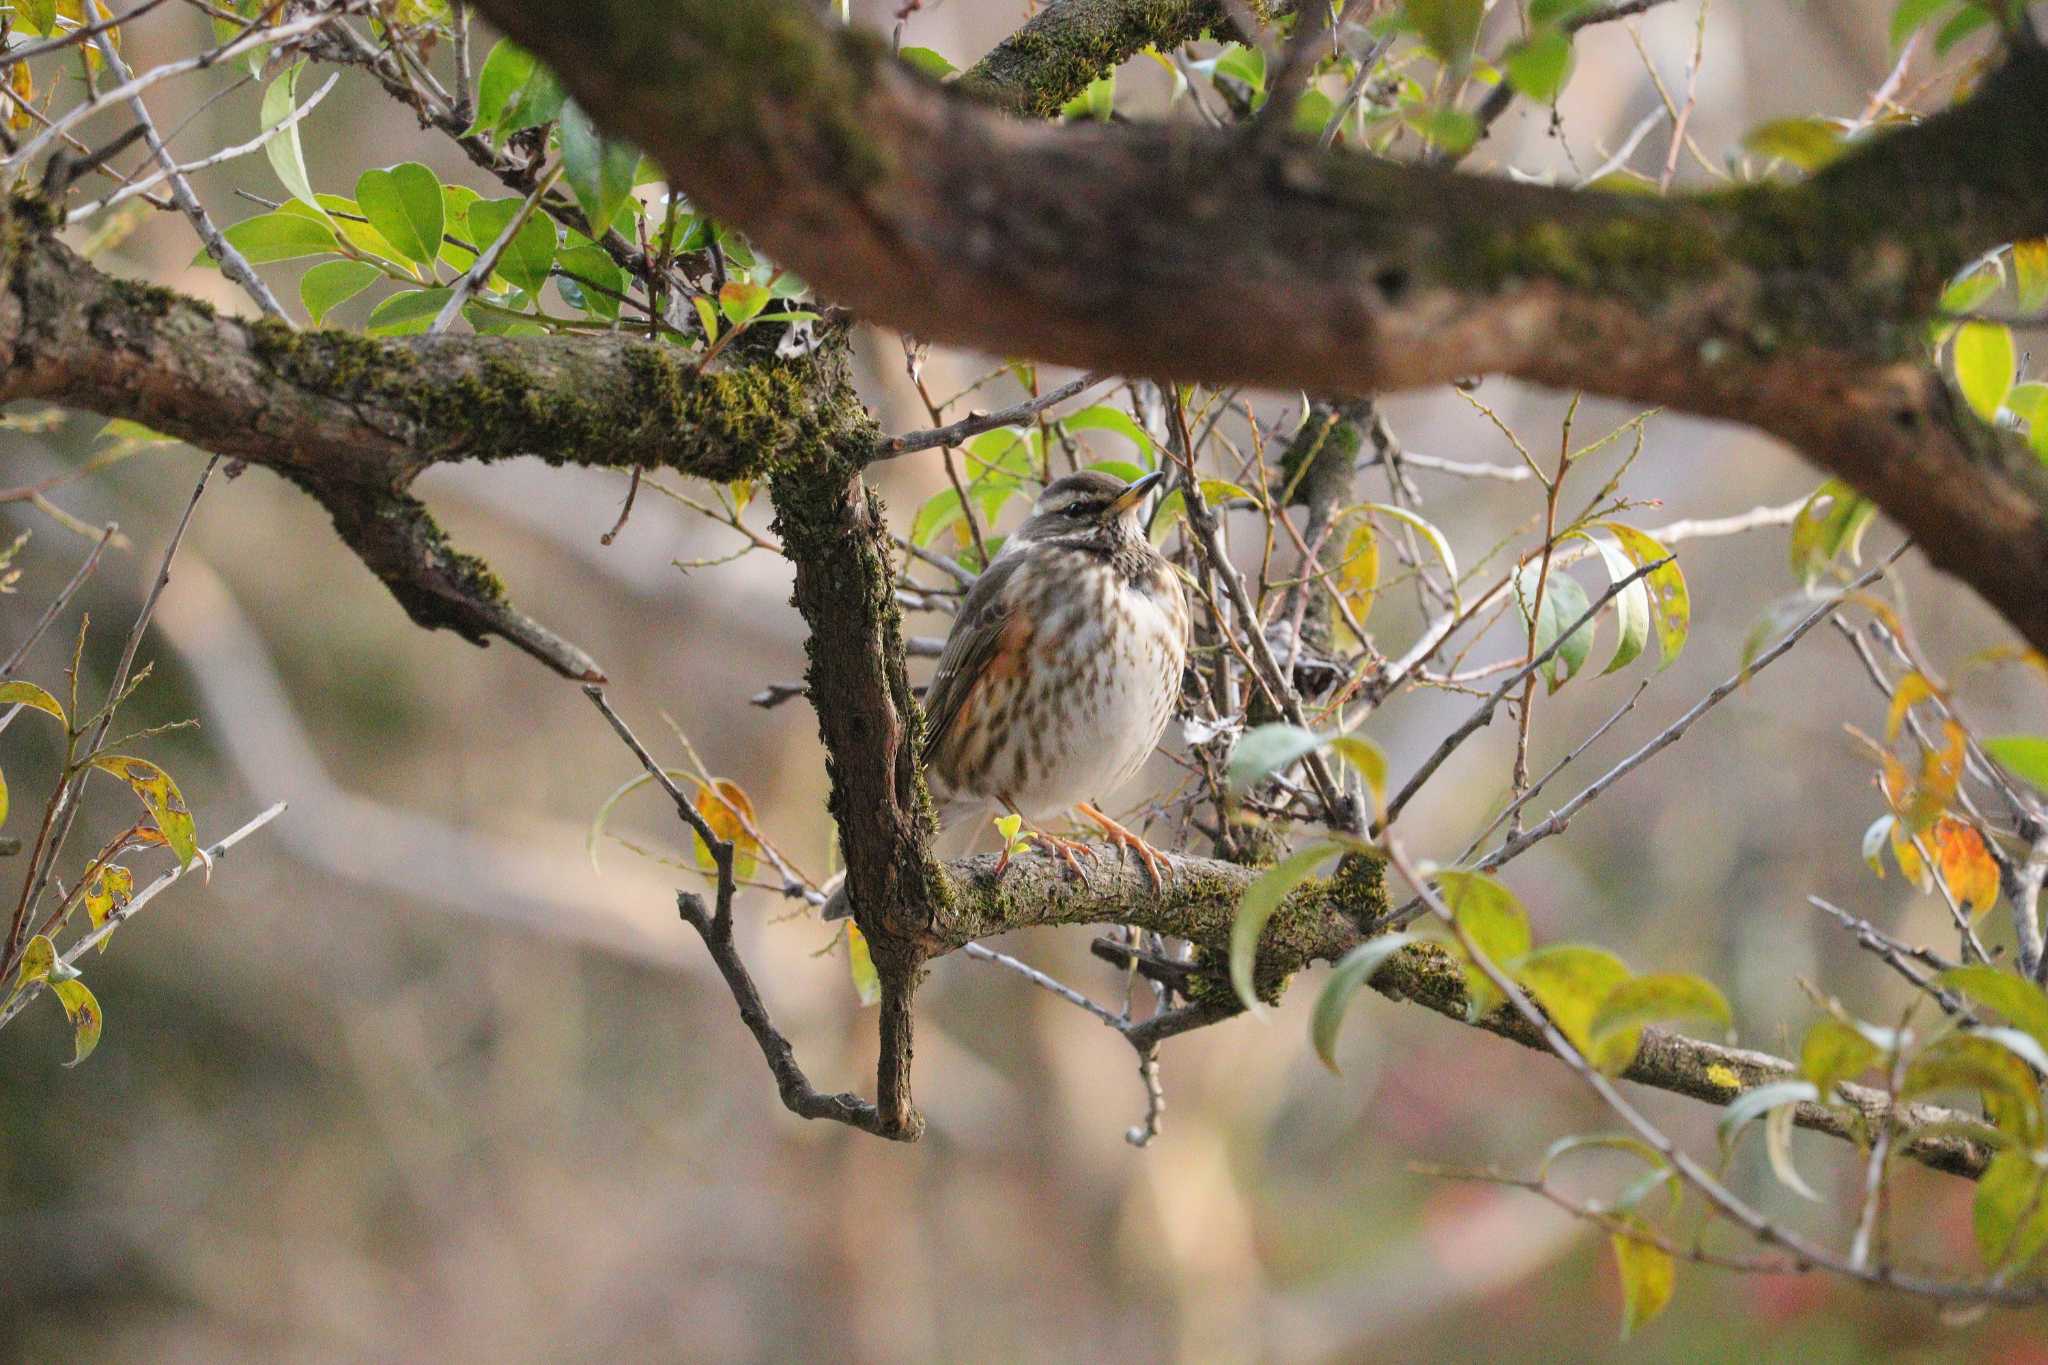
(1358, 573)
(161, 797)
(84, 1013)
(1941, 770)
(1965, 864)
(22, 86)
(1912, 688)
(731, 816)
(867, 984)
(1648, 1276)
(1911, 866)
(110, 890)
(36, 960)
(28, 694)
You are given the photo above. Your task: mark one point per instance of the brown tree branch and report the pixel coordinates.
(1175, 250)
(1319, 922)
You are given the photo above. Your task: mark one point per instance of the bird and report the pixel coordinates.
(1062, 669)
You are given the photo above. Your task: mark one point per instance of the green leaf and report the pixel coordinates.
(38, 17)
(286, 156)
(2029, 402)
(1102, 417)
(1264, 750)
(1631, 608)
(1910, 15)
(1540, 66)
(1570, 981)
(1648, 1276)
(28, 694)
(505, 73)
(1961, 25)
(1808, 143)
(344, 215)
(1968, 1061)
(1984, 358)
(1356, 968)
(1970, 290)
(1261, 899)
(278, 236)
(331, 283)
(2030, 273)
(1246, 65)
(867, 983)
(1448, 26)
(599, 170)
(2023, 1003)
(1564, 602)
(530, 254)
(1494, 921)
(1452, 130)
(1832, 522)
(1659, 998)
(2010, 1215)
(940, 511)
(407, 314)
(1488, 912)
(927, 61)
(1670, 599)
(741, 300)
(1832, 1053)
(2024, 756)
(539, 101)
(84, 1013)
(589, 262)
(1098, 101)
(160, 797)
(404, 204)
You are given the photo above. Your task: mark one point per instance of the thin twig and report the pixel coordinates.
(977, 422)
(122, 914)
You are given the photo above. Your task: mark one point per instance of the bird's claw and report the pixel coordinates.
(1153, 858)
(1065, 850)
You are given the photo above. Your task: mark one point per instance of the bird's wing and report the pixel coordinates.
(980, 633)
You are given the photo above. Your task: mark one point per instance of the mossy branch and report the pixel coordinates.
(1189, 252)
(354, 420)
(1319, 922)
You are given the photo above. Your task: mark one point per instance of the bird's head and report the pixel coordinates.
(1089, 506)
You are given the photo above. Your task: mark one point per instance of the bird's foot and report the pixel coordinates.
(1064, 849)
(1153, 858)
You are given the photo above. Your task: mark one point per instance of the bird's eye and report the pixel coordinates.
(1085, 509)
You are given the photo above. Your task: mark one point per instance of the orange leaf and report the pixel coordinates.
(1966, 865)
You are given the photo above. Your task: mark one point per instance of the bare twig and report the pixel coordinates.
(977, 422)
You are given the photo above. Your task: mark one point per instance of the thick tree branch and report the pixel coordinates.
(1191, 252)
(353, 420)
(1069, 43)
(1319, 922)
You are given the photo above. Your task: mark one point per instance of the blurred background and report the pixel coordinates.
(411, 1079)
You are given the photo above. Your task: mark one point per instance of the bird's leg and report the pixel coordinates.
(1063, 849)
(1152, 858)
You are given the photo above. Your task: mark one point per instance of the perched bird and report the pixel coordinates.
(1062, 669)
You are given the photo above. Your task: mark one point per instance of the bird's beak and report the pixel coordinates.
(1135, 494)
